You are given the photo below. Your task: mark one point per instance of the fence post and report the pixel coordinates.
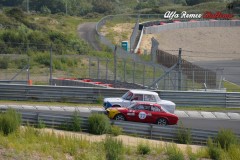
(107, 69)
(193, 79)
(89, 67)
(28, 70)
(124, 74)
(164, 83)
(115, 65)
(154, 73)
(134, 72)
(169, 81)
(98, 69)
(180, 69)
(143, 75)
(38, 118)
(151, 128)
(205, 77)
(50, 81)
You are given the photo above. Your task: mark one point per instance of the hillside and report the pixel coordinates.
(33, 36)
(93, 8)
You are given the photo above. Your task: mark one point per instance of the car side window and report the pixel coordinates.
(147, 107)
(139, 107)
(149, 98)
(138, 97)
(155, 109)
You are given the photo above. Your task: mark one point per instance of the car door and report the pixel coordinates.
(142, 114)
(149, 98)
(156, 113)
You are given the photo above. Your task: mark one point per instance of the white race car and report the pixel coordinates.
(133, 96)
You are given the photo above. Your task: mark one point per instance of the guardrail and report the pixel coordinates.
(61, 119)
(172, 26)
(14, 81)
(94, 95)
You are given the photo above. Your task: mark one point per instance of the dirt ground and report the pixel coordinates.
(207, 44)
(120, 32)
(127, 140)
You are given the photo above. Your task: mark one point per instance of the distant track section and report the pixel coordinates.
(87, 31)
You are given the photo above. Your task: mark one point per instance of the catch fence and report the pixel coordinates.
(193, 74)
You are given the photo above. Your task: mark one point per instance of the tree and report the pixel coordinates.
(79, 7)
(102, 6)
(11, 2)
(55, 6)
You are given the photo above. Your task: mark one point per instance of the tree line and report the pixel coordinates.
(71, 7)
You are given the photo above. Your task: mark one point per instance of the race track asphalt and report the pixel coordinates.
(88, 33)
(211, 124)
(230, 72)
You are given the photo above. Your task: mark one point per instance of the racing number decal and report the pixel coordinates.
(142, 115)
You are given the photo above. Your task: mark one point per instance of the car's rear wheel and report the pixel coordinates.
(120, 117)
(116, 106)
(162, 122)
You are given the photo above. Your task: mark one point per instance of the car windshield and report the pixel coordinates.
(158, 98)
(132, 105)
(164, 109)
(127, 96)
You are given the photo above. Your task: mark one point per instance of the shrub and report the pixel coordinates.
(41, 124)
(42, 58)
(116, 130)
(4, 61)
(9, 121)
(20, 63)
(73, 125)
(16, 13)
(213, 150)
(143, 148)
(76, 122)
(225, 138)
(234, 151)
(45, 10)
(194, 2)
(114, 148)
(99, 99)
(98, 124)
(184, 135)
(174, 153)
(191, 155)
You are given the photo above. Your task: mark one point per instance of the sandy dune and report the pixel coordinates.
(207, 44)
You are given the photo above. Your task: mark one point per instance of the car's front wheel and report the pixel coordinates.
(162, 122)
(119, 117)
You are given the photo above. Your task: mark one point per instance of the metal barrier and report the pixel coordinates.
(14, 82)
(94, 95)
(157, 28)
(62, 119)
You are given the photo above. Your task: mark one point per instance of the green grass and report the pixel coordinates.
(29, 143)
(42, 144)
(231, 87)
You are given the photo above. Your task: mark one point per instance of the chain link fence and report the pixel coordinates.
(130, 71)
(77, 66)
